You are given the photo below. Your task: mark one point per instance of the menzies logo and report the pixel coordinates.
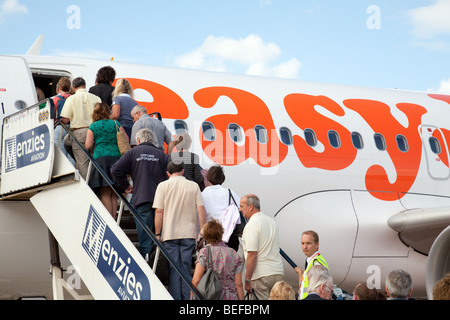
(27, 148)
(114, 262)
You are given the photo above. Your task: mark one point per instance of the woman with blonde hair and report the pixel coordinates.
(282, 291)
(226, 263)
(122, 105)
(102, 139)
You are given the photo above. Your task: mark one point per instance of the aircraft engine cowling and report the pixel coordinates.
(438, 263)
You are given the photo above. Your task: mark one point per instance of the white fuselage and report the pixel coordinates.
(307, 166)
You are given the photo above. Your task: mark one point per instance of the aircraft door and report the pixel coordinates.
(17, 90)
(436, 152)
(331, 215)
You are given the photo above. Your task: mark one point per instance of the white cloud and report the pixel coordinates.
(431, 20)
(12, 7)
(250, 55)
(444, 87)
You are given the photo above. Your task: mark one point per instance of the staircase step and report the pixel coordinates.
(131, 234)
(128, 226)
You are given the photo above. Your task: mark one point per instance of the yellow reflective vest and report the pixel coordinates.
(303, 291)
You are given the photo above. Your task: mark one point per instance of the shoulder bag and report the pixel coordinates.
(209, 286)
(122, 140)
(240, 224)
(230, 218)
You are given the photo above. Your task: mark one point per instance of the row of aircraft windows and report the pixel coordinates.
(236, 134)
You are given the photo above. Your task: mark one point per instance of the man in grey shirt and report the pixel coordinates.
(160, 132)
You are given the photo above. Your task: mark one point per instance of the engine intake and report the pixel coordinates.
(438, 263)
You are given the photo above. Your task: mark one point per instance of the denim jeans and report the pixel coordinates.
(181, 251)
(146, 212)
(60, 133)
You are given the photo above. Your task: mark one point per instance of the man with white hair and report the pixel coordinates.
(147, 166)
(399, 285)
(320, 284)
(160, 132)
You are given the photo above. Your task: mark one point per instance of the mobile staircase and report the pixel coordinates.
(105, 258)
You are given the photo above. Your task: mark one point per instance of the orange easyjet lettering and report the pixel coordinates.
(231, 146)
(442, 97)
(165, 101)
(251, 112)
(378, 115)
(302, 110)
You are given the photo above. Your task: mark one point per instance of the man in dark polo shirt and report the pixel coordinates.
(147, 166)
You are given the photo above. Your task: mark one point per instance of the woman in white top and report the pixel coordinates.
(217, 199)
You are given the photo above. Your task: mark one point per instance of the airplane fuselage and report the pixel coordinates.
(336, 159)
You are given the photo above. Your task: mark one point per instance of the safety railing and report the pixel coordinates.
(125, 203)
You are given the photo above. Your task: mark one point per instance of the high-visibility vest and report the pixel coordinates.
(303, 291)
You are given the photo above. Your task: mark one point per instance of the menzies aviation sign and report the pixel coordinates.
(27, 155)
(118, 267)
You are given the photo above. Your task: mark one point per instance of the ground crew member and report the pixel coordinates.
(310, 247)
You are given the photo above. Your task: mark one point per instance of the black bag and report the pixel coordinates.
(239, 229)
(162, 266)
(209, 286)
(248, 296)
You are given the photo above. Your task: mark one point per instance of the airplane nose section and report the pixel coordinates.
(332, 216)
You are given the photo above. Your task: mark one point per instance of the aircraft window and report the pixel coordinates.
(261, 134)
(435, 145)
(235, 132)
(357, 140)
(402, 143)
(180, 126)
(286, 136)
(310, 137)
(209, 132)
(380, 142)
(333, 138)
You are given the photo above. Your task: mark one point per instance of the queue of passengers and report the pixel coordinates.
(242, 240)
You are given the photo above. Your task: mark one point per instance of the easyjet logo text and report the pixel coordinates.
(315, 112)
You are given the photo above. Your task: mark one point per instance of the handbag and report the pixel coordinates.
(248, 295)
(240, 225)
(122, 140)
(209, 286)
(230, 218)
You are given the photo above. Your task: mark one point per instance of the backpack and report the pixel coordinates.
(58, 103)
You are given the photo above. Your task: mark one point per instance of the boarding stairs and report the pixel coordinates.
(99, 249)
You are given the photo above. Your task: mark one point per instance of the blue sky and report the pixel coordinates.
(378, 43)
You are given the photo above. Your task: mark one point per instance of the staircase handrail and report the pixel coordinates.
(133, 211)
